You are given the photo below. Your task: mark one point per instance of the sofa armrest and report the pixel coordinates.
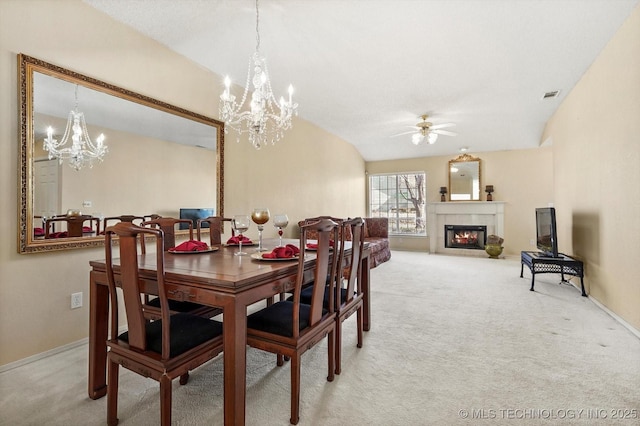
(376, 227)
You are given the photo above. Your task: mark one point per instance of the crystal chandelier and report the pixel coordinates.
(81, 150)
(266, 119)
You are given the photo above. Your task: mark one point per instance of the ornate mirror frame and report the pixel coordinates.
(27, 66)
(468, 176)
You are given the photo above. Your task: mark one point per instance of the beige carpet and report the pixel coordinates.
(451, 337)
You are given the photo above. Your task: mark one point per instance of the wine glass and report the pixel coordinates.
(240, 224)
(280, 221)
(260, 216)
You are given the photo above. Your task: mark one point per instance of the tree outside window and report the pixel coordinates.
(399, 197)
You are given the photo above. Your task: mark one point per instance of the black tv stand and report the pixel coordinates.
(543, 255)
(542, 263)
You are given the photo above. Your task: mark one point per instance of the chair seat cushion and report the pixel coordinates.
(277, 318)
(187, 332)
(176, 305)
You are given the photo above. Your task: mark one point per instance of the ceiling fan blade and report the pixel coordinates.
(402, 134)
(442, 126)
(445, 132)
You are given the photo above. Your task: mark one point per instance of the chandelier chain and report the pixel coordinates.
(257, 28)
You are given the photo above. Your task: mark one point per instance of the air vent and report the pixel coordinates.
(553, 94)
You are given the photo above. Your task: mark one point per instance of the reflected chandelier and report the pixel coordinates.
(266, 120)
(81, 151)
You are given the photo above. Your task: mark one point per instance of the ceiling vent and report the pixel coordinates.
(553, 94)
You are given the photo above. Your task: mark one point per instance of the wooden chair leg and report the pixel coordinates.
(295, 389)
(112, 393)
(165, 401)
(359, 318)
(338, 346)
(184, 378)
(332, 355)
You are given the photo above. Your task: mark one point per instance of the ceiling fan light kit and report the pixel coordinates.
(426, 130)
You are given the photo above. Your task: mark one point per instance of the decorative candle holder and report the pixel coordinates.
(443, 191)
(489, 189)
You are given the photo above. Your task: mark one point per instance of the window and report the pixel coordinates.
(400, 197)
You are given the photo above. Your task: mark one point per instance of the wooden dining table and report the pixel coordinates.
(217, 278)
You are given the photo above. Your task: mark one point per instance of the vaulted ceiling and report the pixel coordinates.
(366, 70)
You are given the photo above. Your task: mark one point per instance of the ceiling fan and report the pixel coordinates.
(426, 130)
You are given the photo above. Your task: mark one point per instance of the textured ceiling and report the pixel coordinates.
(365, 70)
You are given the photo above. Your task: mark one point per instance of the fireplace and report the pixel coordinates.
(472, 237)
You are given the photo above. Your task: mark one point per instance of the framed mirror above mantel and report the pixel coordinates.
(160, 158)
(465, 178)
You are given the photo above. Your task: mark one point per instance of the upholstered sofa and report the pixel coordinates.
(376, 235)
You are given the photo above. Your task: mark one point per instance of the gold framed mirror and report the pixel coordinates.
(160, 158)
(464, 178)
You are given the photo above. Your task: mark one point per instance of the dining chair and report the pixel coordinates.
(122, 218)
(348, 294)
(163, 349)
(38, 231)
(289, 328)
(216, 229)
(168, 225)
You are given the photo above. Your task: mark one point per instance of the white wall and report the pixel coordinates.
(597, 178)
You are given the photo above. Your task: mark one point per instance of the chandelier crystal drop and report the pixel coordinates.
(266, 119)
(76, 147)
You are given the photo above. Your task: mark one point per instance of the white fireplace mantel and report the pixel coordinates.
(487, 213)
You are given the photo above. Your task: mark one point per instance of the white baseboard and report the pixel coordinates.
(42, 355)
(625, 324)
(51, 352)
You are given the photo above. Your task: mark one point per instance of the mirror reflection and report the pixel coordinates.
(160, 159)
(464, 178)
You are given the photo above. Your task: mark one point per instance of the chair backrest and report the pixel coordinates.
(216, 229)
(313, 235)
(122, 218)
(168, 226)
(129, 281)
(352, 267)
(325, 266)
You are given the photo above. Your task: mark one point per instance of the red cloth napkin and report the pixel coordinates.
(87, 229)
(38, 232)
(236, 240)
(285, 252)
(315, 245)
(191, 245)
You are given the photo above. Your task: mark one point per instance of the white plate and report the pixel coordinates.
(258, 256)
(209, 250)
(315, 248)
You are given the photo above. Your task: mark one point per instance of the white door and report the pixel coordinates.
(46, 188)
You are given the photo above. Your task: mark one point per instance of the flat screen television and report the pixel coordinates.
(194, 215)
(546, 231)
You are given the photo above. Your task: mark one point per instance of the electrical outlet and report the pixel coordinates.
(86, 204)
(76, 300)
